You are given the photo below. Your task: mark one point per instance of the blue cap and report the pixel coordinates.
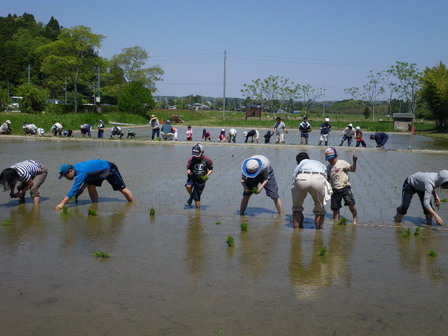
(330, 153)
(63, 170)
(251, 167)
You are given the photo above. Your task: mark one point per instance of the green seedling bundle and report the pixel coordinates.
(230, 241)
(101, 255)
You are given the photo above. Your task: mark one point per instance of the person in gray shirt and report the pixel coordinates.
(424, 185)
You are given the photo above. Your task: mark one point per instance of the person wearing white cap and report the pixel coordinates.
(6, 127)
(232, 135)
(222, 136)
(325, 129)
(359, 137)
(347, 134)
(56, 129)
(257, 170)
(199, 168)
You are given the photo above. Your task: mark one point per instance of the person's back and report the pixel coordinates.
(167, 128)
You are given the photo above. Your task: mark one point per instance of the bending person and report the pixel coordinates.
(25, 175)
(424, 185)
(92, 173)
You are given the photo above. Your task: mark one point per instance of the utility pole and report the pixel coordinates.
(29, 73)
(99, 91)
(224, 89)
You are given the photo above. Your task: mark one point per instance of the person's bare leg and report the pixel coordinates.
(128, 194)
(244, 203)
(93, 193)
(198, 205)
(336, 215)
(319, 221)
(297, 217)
(279, 206)
(428, 219)
(354, 213)
(36, 200)
(398, 217)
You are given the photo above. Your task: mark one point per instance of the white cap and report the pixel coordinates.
(327, 119)
(223, 130)
(8, 122)
(358, 128)
(350, 125)
(245, 133)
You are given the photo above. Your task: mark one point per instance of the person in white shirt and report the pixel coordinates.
(309, 177)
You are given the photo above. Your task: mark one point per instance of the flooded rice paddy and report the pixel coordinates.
(173, 274)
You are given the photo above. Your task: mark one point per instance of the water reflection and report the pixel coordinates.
(25, 221)
(257, 248)
(195, 246)
(413, 251)
(309, 271)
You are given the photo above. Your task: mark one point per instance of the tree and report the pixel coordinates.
(72, 56)
(369, 92)
(268, 92)
(34, 98)
(434, 92)
(136, 98)
(309, 95)
(130, 66)
(409, 82)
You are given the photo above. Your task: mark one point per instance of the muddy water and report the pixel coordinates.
(174, 275)
(395, 141)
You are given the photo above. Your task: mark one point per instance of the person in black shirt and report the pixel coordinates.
(199, 168)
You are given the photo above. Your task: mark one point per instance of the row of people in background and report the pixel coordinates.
(169, 132)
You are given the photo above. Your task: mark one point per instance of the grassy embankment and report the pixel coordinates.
(208, 118)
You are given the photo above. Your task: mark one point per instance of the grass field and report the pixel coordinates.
(210, 118)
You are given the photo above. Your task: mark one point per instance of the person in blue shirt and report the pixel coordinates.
(91, 174)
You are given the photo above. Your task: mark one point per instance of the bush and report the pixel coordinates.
(34, 98)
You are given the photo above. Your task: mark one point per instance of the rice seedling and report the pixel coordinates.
(244, 227)
(444, 200)
(218, 222)
(152, 212)
(323, 251)
(407, 233)
(255, 190)
(433, 253)
(6, 222)
(101, 254)
(230, 241)
(343, 221)
(92, 212)
(65, 210)
(205, 178)
(417, 231)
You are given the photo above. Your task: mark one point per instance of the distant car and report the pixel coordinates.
(174, 107)
(54, 101)
(296, 112)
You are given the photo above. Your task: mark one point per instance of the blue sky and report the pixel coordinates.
(327, 44)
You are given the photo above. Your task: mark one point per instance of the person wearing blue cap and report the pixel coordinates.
(257, 170)
(199, 169)
(91, 174)
(337, 172)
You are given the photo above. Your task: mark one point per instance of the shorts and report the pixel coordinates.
(270, 187)
(338, 195)
(197, 187)
(323, 137)
(114, 179)
(304, 135)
